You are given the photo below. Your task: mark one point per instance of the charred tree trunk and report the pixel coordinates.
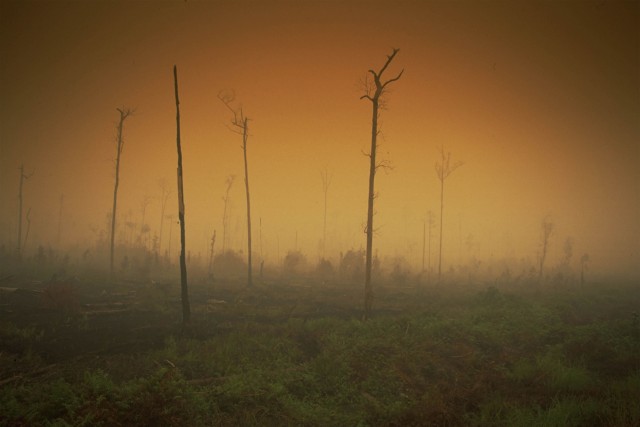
(124, 113)
(373, 94)
(240, 125)
(186, 308)
(225, 218)
(368, 288)
(444, 168)
(245, 135)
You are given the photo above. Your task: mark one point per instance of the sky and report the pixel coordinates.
(540, 100)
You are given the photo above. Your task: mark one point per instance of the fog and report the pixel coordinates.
(540, 101)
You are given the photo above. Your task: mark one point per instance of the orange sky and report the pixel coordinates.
(541, 100)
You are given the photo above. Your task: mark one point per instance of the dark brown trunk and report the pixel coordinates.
(245, 135)
(368, 289)
(186, 308)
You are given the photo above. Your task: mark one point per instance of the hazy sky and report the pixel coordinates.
(541, 100)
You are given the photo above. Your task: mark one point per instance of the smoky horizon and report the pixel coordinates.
(537, 105)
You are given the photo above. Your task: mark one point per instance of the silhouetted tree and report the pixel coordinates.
(26, 234)
(373, 91)
(240, 125)
(444, 168)
(124, 113)
(225, 212)
(546, 231)
(211, 253)
(186, 308)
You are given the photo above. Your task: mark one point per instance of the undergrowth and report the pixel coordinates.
(488, 358)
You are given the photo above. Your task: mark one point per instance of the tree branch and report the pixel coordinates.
(389, 59)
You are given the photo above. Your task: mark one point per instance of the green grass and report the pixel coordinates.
(488, 358)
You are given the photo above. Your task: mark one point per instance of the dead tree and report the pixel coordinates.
(124, 113)
(186, 308)
(373, 91)
(225, 212)
(546, 228)
(26, 234)
(444, 168)
(326, 182)
(23, 177)
(240, 125)
(211, 253)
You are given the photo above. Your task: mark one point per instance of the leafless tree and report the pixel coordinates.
(546, 228)
(26, 234)
(211, 253)
(444, 168)
(225, 212)
(373, 92)
(186, 308)
(124, 114)
(23, 177)
(326, 182)
(240, 125)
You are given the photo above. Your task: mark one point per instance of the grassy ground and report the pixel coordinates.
(301, 356)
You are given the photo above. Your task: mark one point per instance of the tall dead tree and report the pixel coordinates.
(124, 113)
(546, 228)
(240, 125)
(373, 91)
(225, 212)
(23, 177)
(444, 168)
(186, 308)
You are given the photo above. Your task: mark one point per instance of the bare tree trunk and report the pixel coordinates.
(124, 113)
(241, 124)
(245, 135)
(441, 222)
(225, 216)
(368, 289)
(26, 234)
(373, 94)
(211, 253)
(444, 168)
(186, 308)
(430, 215)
